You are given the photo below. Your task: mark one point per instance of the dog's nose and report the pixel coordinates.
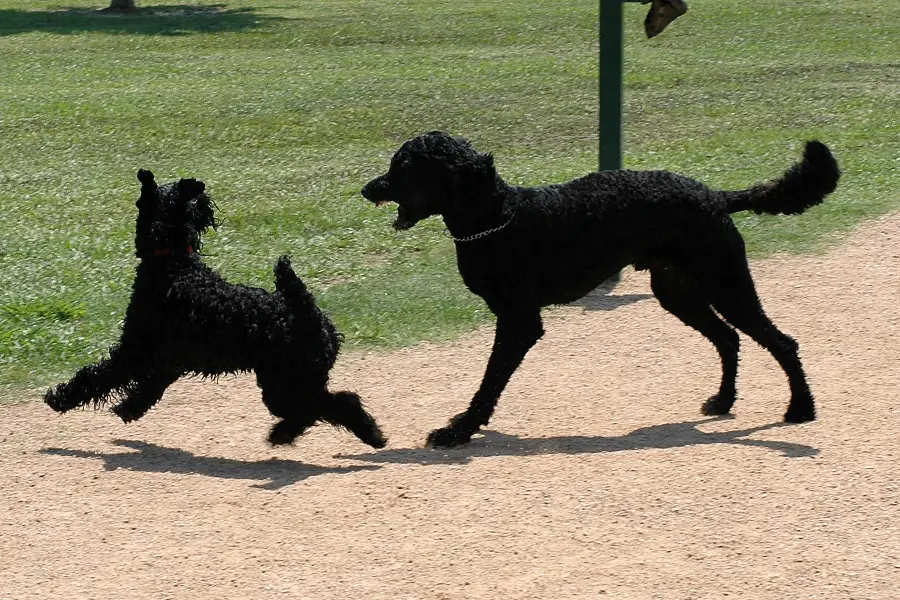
(375, 190)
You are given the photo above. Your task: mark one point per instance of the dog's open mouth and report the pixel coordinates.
(403, 220)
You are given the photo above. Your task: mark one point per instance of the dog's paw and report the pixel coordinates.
(283, 434)
(370, 434)
(717, 406)
(123, 412)
(800, 413)
(54, 401)
(376, 440)
(59, 401)
(447, 437)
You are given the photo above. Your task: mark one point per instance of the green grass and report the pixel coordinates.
(286, 109)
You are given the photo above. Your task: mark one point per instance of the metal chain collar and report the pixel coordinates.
(478, 236)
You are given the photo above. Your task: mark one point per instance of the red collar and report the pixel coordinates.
(167, 252)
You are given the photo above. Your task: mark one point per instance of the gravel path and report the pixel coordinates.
(597, 479)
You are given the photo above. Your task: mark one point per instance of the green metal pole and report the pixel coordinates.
(611, 68)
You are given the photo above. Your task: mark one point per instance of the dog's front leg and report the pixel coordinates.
(94, 382)
(91, 383)
(142, 394)
(516, 334)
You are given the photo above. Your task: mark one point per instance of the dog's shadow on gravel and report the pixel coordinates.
(150, 458)
(670, 435)
(600, 300)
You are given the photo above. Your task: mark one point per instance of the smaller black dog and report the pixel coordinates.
(184, 318)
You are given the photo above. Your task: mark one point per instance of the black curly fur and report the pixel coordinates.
(556, 243)
(185, 319)
(804, 185)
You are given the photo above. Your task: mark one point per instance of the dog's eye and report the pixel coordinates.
(398, 163)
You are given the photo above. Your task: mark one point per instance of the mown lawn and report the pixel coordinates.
(286, 109)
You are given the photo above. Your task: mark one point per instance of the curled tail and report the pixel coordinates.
(802, 186)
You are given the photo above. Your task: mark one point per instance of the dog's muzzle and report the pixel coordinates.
(376, 190)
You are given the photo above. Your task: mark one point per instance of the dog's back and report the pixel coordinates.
(216, 326)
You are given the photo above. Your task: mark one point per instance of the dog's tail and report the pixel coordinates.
(802, 186)
(311, 322)
(292, 287)
(345, 409)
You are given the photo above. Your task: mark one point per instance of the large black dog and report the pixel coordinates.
(184, 318)
(523, 248)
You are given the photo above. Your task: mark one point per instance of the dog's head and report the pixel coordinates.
(433, 174)
(172, 217)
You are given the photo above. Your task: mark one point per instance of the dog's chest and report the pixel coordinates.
(489, 270)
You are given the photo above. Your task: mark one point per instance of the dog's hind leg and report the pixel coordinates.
(515, 335)
(141, 395)
(281, 397)
(729, 287)
(295, 420)
(300, 409)
(747, 315)
(684, 299)
(345, 409)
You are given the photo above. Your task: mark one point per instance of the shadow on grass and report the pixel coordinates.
(670, 435)
(150, 458)
(149, 20)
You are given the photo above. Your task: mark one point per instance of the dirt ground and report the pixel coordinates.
(598, 477)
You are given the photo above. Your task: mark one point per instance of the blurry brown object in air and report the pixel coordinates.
(661, 14)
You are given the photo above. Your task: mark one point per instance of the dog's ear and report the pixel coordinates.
(201, 210)
(484, 167)
(190, 188)
(148, 210)
(474, 172)
(147, 180)
(473, 183)
(149, 200)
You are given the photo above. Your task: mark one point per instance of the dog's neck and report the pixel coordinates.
(170, 252)
(482, 216)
